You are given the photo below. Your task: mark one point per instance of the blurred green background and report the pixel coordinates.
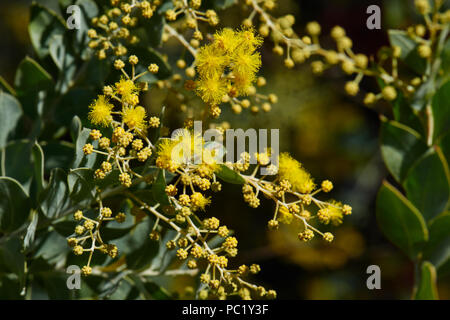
(334, 136)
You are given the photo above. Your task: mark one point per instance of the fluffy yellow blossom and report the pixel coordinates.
(244, 70)
(134, 118)
(100, 111)
(210, 62)
(212, 89)
(291, 170)
(179, 150)
(225, 40)
(128, 90)
(228, 65)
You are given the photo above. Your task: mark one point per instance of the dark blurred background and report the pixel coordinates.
(334, 136)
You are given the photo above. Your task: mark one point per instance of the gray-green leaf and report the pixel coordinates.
(400, 221)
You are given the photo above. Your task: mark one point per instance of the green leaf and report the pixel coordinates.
(30, 76)
(443, 150)
(151, 30)
(111, 179)
(82, 160)
(52, 247)
(58, 51)
(75, 128)
(81, 184)
(405, 114)
(55, 199)
(71, 105)
(426, 186)
(5, 86)
(427, 289)
(441, 110)
(55, 285)
(445, 67)
(12, 260)
(33, 84)
(401, 146)
(164, 257)
(38, 162)
(228, 175)
(64, 59)
(422, 95)
(44, 23)
(21, 161)
(409, 53)
(154, 290)
(10, 287)
(95, 72)
(400, 221)
(119, 289)
(14, 205)
(65, 228)
(31, 231)
(10, 113)
(437, 249)
(139, 250)
(109, 234)
(159, 189)
(58, 154)
(89, 10)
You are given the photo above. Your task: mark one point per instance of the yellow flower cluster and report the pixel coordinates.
(222, 71)
(186, 155)
(112, 32)
(297, 49)
(228, 65)
(193, 14)
(129, 140)
(88, 231)
(291, 170)
(192, 246)
(294, 192)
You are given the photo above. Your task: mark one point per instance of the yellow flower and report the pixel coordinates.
(210, 62)
(335, 212)
(164, 153)
(226, 40)
(211, 90)
(189, 145)
(134, 117)
(199, 200)
(246, 63)
(182, 149)
(291, 170)
(128, 90)
(227, 65)
(100, 111)
(284, 216)
(249, 40)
